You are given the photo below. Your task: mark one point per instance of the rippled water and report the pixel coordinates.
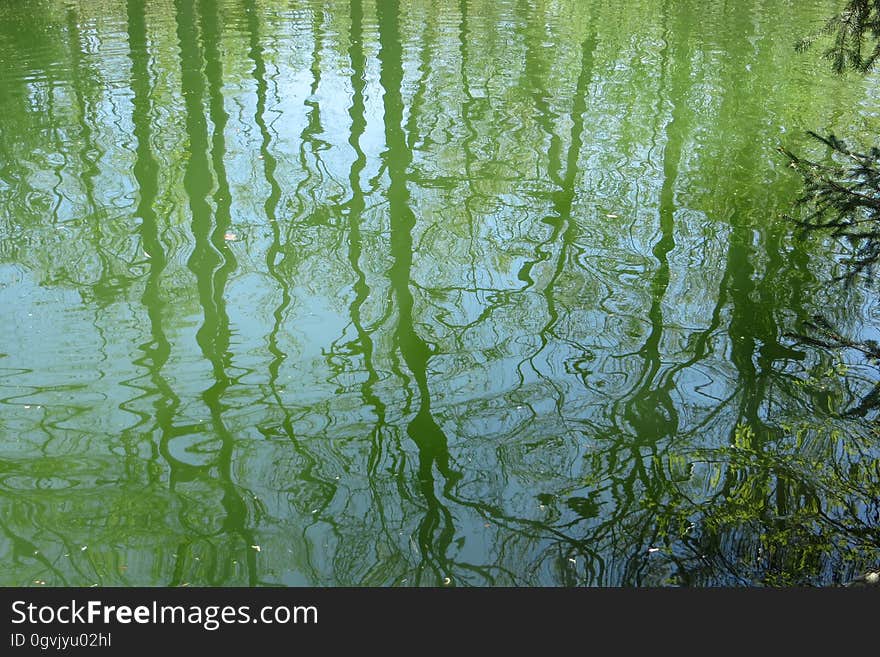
(415, 292)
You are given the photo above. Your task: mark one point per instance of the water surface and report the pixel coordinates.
(411, 292)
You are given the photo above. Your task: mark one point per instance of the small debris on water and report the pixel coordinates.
(651, 550)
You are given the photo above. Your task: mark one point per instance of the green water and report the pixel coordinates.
(423, 292)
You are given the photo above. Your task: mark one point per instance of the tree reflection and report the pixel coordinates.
(400, 292)
(211, 261)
